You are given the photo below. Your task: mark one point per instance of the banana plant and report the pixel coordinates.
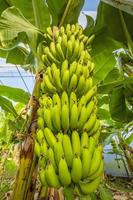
(22, 33)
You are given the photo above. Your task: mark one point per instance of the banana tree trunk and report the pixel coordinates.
(24, 186)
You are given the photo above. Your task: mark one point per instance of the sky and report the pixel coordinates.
(90, 5)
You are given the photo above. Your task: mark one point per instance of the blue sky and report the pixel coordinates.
(90, 5)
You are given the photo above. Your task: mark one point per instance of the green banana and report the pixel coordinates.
(40, 112)
(39, 136)
(57, 79)
(42, 177)
(40, 123)
(51, 158)
(74, 116)
(37, 149)
(85, 72)
(59, 51)
(76, 143)
(81, 103)
(90, 94)
(50, 138)
(69, 49)
(75, 50)
(72, 68)
(82, 117)
(48, 118)
(90, 108)
(79, 70)
(44, 148)
(91, 145)
(86, 162)
(81, 84)
(51, 176)
(73, 83)
(88, 85)
(57, 101)
(76, 171)
(49, 86)
(53, 50)
(73, 99)
(64, 174)
(96, 136)
(58, 152)
(96, 159)
(60, 137)
(65, 80)
(68, 152)
(84, 140)
(64, 67)
(99, 172)
(49, 73)
(90, 123)
(89, 187)
(64, 44)
(56, 117)
(64, 99)
(65, 117)
(95, 127)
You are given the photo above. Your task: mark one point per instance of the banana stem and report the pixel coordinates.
(28, 162)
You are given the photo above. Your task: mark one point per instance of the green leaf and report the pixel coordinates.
(103, 114)
(90, 25)
(129, 140)
(7, 106)
(105, 193)
(16, 94)
(118, 108)
(9, 28)
(124, 5)
(64, 11)
(3, 5)
(102, 52)
(36, 12)
(17, 55)
(106, 88)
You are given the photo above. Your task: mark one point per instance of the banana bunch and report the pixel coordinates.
(67, 114)
(74, 77)
(68, 128)
(66, 160)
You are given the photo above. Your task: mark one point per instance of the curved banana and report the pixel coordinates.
(60, 51)
(57, 79)
(73, 83)
(90, 107)
(39, 136)
(89, 187)
(91, 145)
(44, 148)
(90, 94)
(64, 44)
(59, 137)
(68, 152)
(90, 123)
(69, 49)
(76, 146)
(58, 152)
(75, 50)
(99, 172)
(65, 117)
(72, 68)
(56, 118)
(64, 98)
(81, 103)
(76, 171)
(84, 140)
(88, 85)
(80, 86)
(95, 127)
(65, 80)
(74, 116)
(51, 176)
(40, 123)
(64, 67)
(50, 138)
(57, 101)
(96, 159)
(64, 174)
(82, 117)
(73, 99)
(37, 149)
(49, 86)
(49, 73)
(86, 162)
(42, 177)
(51, 158)
(48, 118)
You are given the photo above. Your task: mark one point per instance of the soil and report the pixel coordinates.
(121, 187)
